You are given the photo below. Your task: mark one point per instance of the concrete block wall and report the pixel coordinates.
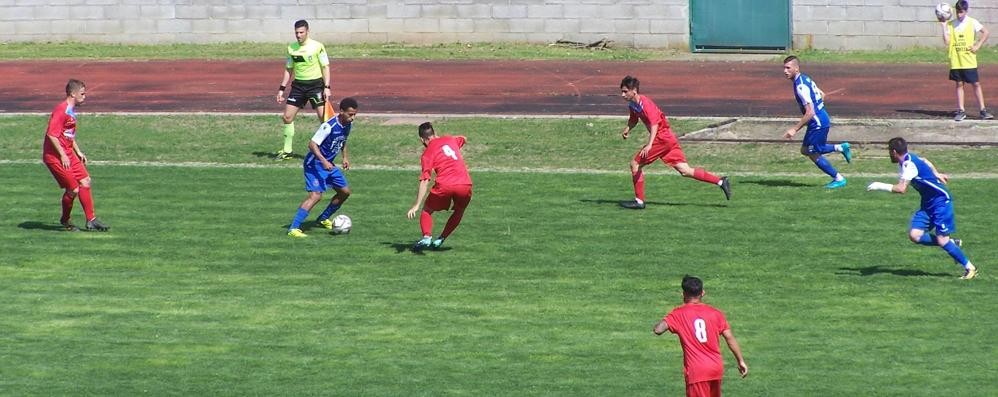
(826, 24)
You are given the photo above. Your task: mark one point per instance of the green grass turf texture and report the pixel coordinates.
(547, 288)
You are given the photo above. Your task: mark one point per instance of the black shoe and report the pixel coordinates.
(960, 115)
(985, 115)
(69, 226)
(97, 225)
(634, 205)
(726, 187)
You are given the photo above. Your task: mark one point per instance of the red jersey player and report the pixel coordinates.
(698, 325)
(66, 161)
(662, 144)
(453, 184)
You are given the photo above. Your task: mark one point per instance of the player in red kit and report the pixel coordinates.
(453, 184)
(698, 326)
(63, 157)
(662, 144)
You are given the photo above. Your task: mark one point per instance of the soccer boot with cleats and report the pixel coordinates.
(326, 223)
(986, 115)
(847, 152)
(97, 226)
(424, 242)
(634, 205)
(69, 226)
(836, 184)
(970, 273)
(436, 244)
(726, 188)
(296, 233)
(960, 115)
(958, 242)
(282, 155)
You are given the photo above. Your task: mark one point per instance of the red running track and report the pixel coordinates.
(498, 87)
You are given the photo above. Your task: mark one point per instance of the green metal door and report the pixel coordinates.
(739, 25)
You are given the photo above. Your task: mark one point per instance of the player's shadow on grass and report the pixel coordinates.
(32, 225)
(616, 203)
(876, 269)
(403, 247)
(773, 182)
(932, 113)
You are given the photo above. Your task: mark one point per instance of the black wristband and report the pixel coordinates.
(282, 88)
(327, 86)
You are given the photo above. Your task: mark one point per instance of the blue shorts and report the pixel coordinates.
(814, 140)
(964, 75)
(317, 179)
(939, 217)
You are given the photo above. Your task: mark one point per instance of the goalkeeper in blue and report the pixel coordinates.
(936, 211)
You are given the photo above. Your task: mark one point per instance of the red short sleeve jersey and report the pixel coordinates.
(699, 327)
(62, 126)
(443, 155)
(649, 114)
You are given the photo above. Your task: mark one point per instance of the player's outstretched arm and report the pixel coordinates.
(420, 193)
(661, 327)
(736, 350)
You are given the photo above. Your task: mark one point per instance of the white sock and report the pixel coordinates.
(838, 148)
(839, 177)
(639, 201)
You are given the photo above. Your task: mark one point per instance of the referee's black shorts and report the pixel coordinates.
(310, 91)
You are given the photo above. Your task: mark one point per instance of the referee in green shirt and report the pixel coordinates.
(308, 62)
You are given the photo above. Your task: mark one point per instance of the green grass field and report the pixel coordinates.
(547, 288)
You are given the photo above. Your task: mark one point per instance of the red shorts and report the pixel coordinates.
(710, 388)
(68, 178)
(668, 150)
(441, 197)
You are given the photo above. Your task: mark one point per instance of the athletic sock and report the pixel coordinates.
(638, 179)
(289, 136)
(87, 200)
(954, 251)
(838, 148)
(67, 207)
(927, 239)
(701, 174)
(452, 222)
(328, 212)
(299, 218)
(426, 223)
(825, 166)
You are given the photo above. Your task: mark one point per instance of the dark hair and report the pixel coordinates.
(692, 286)
(898, 145)
(426, 130)
(301, 23)
(961, 5)
(630, 82)
(74, 85)
(791, 58)
(347, 103)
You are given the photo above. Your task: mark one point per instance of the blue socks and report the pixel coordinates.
(825, 166)
(954, 251)
(928, 239)
(299, 218)
(328, 212)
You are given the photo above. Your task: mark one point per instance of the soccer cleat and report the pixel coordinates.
(422, 243)
(985, 115)
(326, 223)
(960, 115)
(296, 233)
(726, 188)
(437, 243)
(634, 205)
(836, 184)
(282, 155)
(69, 226)
(847, 152)
(958, 242)
(97, 225)
(970, 273)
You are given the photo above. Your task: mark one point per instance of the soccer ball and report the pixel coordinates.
(342, 224)
(943, 12)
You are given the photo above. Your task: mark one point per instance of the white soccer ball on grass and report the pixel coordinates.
(342, 224)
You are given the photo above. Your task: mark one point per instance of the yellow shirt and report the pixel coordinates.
(961, 39)
(307, 60)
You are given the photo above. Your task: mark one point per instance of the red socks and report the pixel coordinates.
(88, 203)
(701, 174)
(67, 206)
(639, 185)
(452, 222)
(426, 223)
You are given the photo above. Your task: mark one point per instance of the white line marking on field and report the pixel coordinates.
(517, 170)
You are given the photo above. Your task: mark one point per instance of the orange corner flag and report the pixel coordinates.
(327, 111)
